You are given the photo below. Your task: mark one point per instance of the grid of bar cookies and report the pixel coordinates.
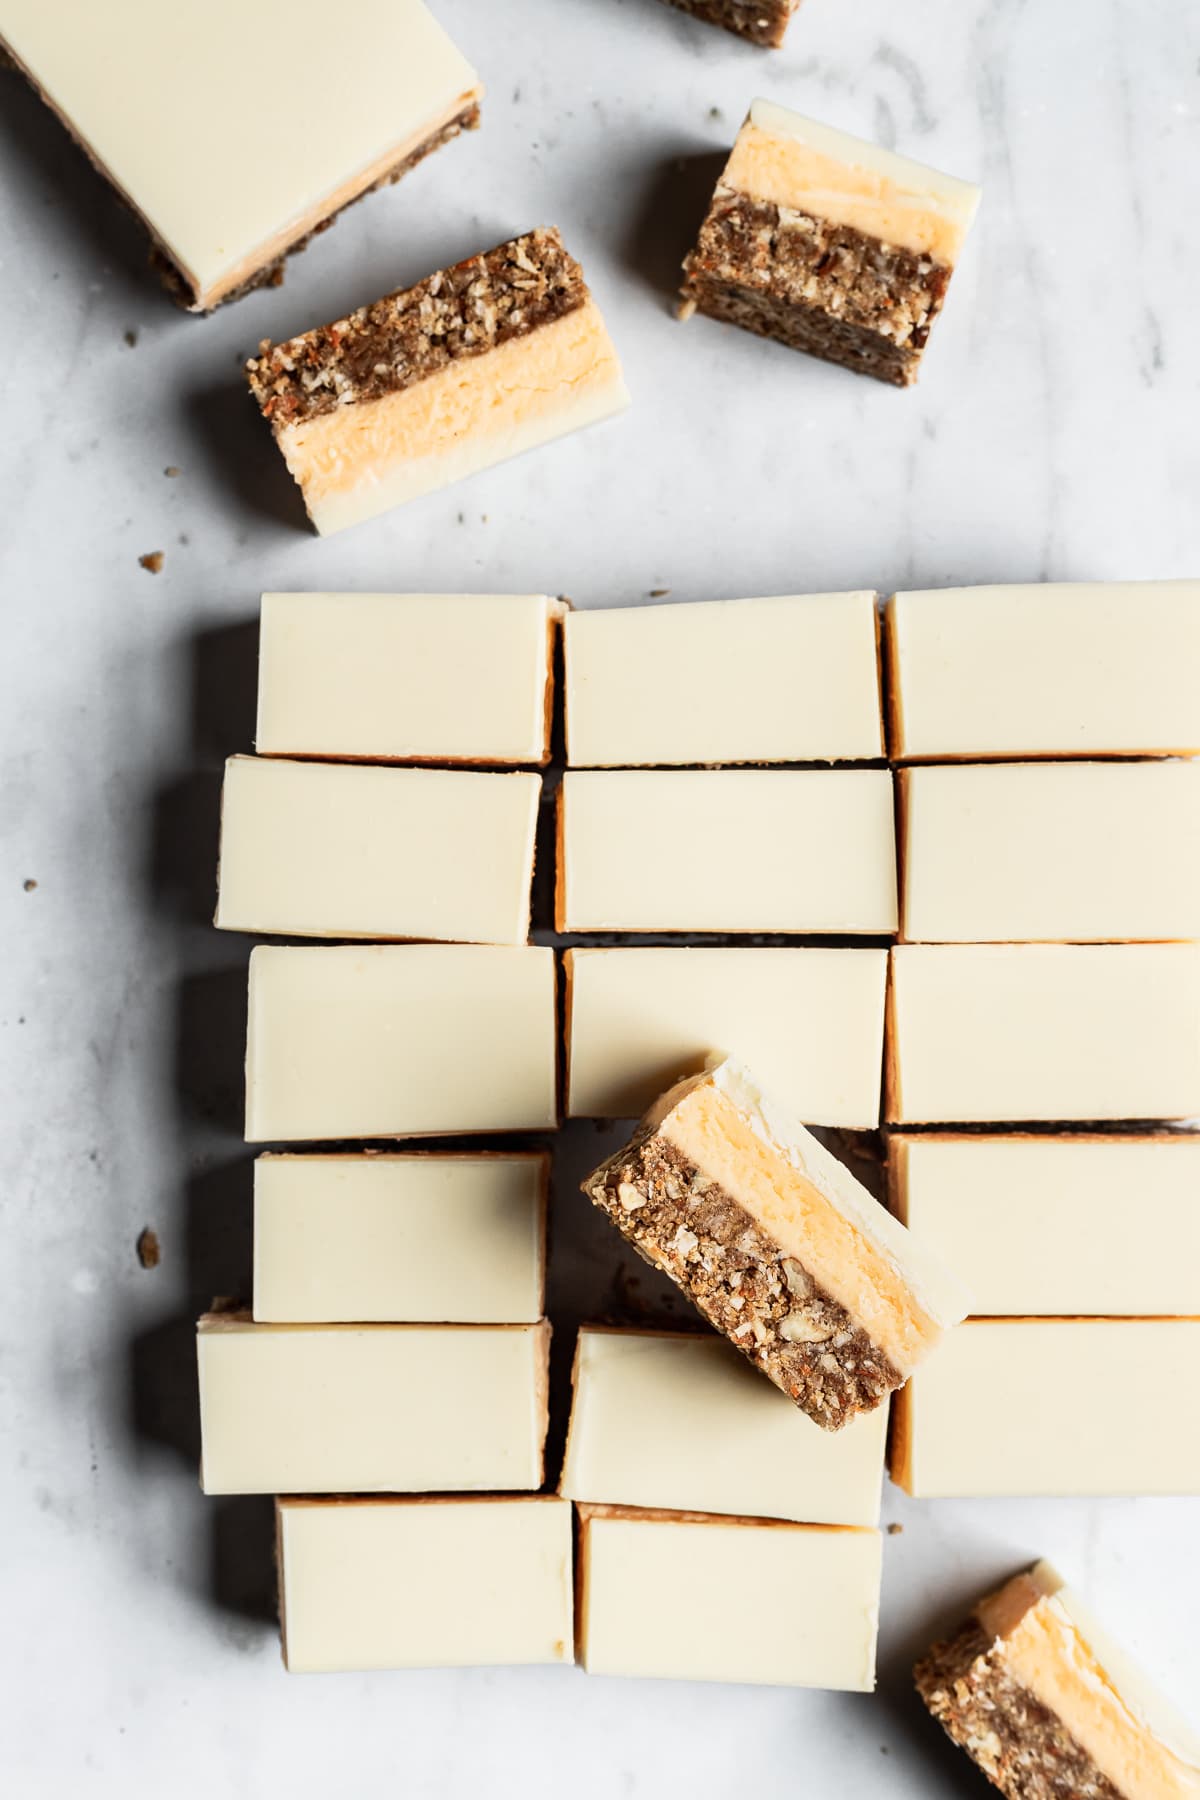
(861, 852)
(1044, 1043)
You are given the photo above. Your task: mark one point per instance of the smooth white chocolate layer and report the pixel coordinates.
(258, 145)
(1058, 1225)
(407, 677)
(1057, 669)
(354, 1041)
(410, 1584)
(677, 1420)
(727, 850)
(740, 1600)
(808, 1021)
(327, 1409)
(1016, 1032)
(341, 850)
(796, 163)
(360, 460)
(422, 1238)
(1050, 1643)
(1052, 1407)
(1070, 851)
(793, 678)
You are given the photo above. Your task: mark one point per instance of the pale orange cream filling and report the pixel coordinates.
(509, 389)
(1049, 1658)
(793, 1212)
(789, 173)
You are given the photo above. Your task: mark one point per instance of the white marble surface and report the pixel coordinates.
(1053, 435)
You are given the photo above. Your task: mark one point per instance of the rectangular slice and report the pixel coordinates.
(777, 1245)
(793, 678)
(475, 364)
(326, 1409)
(1008, 1033)
(229, 170)
(405, 1040)
(1105, 668)
(687, 1597)
(448, 678)
(828, 243)
(413, 1584)
(1037, 1694)
(423, 1238)
(1070, 851)
(678, 1421)
(727, 850)
(339, 850)
(1053, 1407)
(809, 1021)
(1067, 1225)
(764, 22)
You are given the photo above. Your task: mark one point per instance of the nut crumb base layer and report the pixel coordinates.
(392, 344)
(826, 289)
(1022, 1747)
(762, 21)
(768, 1305)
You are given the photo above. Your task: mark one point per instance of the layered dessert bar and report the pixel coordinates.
(688, 1597)
(1052, 1407)
(735, 850)
(829, 244)
(1014, 1033)
(403, 1584)
(406, 1040)
(422, 1238)
(680, 1421)
(777, 1245)
(412, 1584)
(1103, 668)
(1069, 851)
(639, 1018)
(1071, 1225)
(1037, 1694)
(449, 678)
(473, 365)
(339, 850)
(328, 1409)
(792, 678)
(257, 149)
(762, 21)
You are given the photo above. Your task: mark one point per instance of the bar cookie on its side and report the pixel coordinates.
(764, 22)
(828, 243)
(1035, 1694)
(777, 1245)
(473, 365)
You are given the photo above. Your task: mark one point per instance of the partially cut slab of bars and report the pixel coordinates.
(1036, 1694)
(830, 244)
(473, 365)
(777, 1245)
(764, 22)
(225, 130)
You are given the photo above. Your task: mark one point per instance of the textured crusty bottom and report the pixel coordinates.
(762, 21)
(764, 1301)
(820, 287)
(1022, 1747)
(271, 274)
(808, 328)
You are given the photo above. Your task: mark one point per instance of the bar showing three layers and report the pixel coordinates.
(777, 1245)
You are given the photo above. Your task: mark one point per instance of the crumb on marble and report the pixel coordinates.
(171, 470)
(149, 1251)
(29, 884)
(131, 338)
(895, 1529)
(153, 561)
